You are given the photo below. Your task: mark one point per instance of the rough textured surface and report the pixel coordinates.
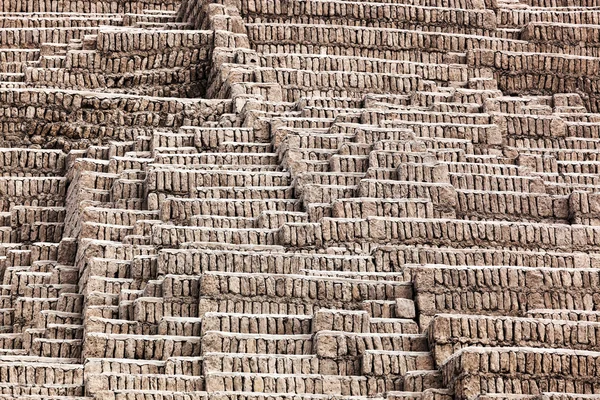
(299, 199)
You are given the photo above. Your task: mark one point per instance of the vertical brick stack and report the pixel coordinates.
(300, 199)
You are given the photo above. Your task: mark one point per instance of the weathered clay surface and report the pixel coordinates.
(299, 199)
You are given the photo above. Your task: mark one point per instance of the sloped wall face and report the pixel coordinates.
(300, 199)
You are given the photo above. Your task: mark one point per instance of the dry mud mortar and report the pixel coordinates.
(299, 199)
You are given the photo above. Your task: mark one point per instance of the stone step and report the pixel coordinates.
(225, 342)
(273, 364)
(140, 346)
(66, 348)
(115, 381)
(298, 383)
(179, 209)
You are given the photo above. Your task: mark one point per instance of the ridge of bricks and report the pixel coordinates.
(299, 200)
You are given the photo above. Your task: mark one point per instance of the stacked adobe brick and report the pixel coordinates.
(300, 199)
(79, 94)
